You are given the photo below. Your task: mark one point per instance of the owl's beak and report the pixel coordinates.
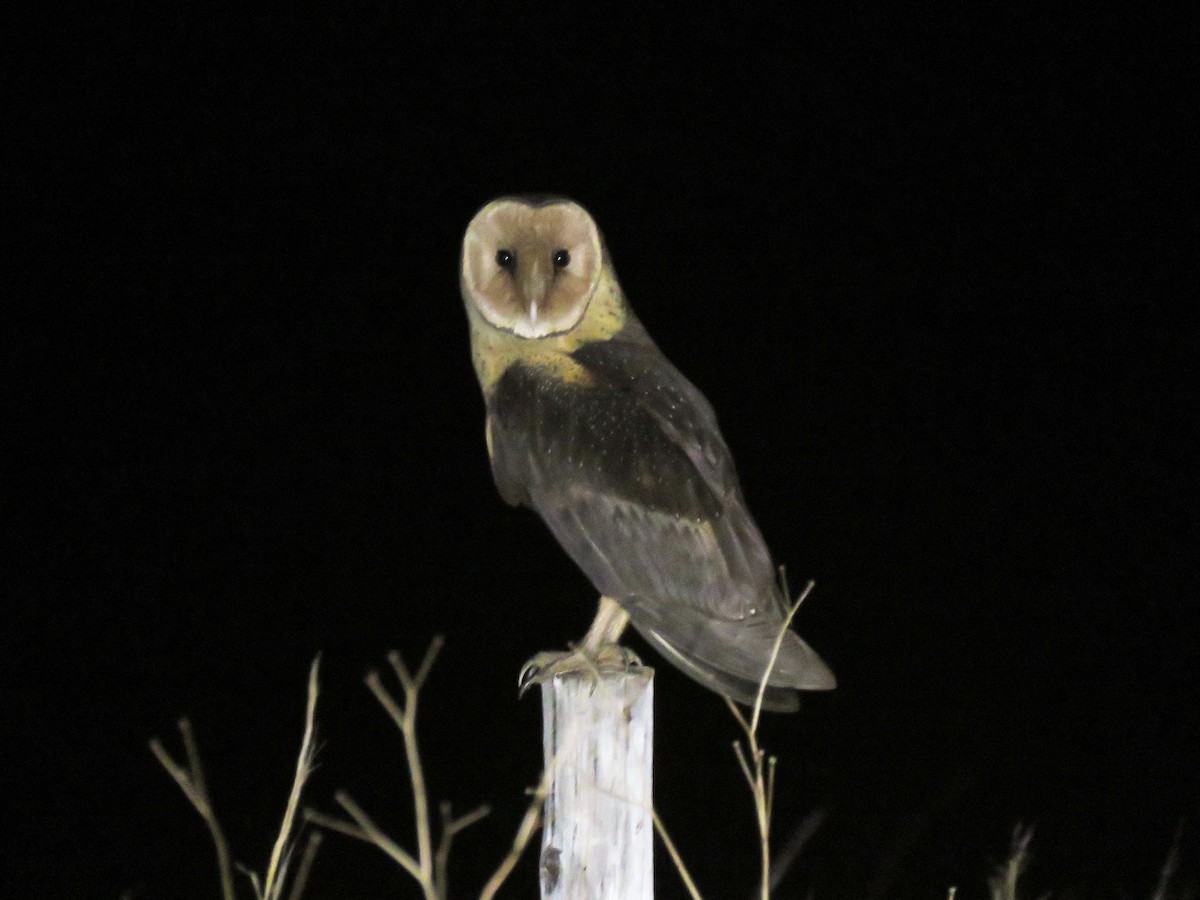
(536, 285)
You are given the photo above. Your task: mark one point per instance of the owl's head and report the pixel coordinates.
(530, 267)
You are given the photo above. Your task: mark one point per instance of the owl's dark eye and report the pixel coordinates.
(506, 259)
(562, 259)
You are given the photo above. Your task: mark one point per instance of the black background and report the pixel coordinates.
(930, 270)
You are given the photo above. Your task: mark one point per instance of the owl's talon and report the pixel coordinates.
(593, 663)
(526, 679)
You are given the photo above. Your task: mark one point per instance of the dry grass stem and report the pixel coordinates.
(341, 826)
(451, 826)
(406, 721)
(191, 782)
(404, 715)
(782, 860)
(684, 874)
(429, 869)
(281, 852)
(759, 772)
(376, 836)
(306, 863)
(1003, 884)
(758, 769)
(252, 877)
(787, 623)
(530, 822)
(1167, 874)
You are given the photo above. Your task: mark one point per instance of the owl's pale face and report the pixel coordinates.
(531, 270)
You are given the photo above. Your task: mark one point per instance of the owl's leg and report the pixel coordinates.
(598, 654)
(608, 625)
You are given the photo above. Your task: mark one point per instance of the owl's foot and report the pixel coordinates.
(592, 662)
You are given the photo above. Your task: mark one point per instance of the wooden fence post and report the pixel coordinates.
(598, 836)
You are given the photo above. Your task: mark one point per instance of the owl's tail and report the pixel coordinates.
(731, 657)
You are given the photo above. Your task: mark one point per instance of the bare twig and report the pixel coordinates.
(802, 834)
(281, 852)
(530, 823)
(745, 766)
(252, 877)
(787, 623)
(406, 721)
(1002, 885)
(760, 777)
(451, 826)
(306, 862)
(759, 771)
(684, 874)
(752, 770)
(1170, 865)
(429, 869)
(376, 836)
(404, 716)
(339, 825)
(191, 782)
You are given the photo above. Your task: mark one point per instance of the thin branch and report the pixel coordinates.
(339, 825)
(431, 653)
(430, 870)
(772, 762)
(181, 776)
(450, 827)
(787, 623)
(405, 718)
(741, 758)
(530, 822)
(252, 877)
(191, 782)
(684, 874)
(1003, 884)
(803, 832)
(276, 869)
(742, 721)
(1167, 874)
(306, 864)
(762, 784)
(192, 748)
(377, 837)
(387, 701)
(752, 769)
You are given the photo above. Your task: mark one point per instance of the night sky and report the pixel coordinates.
(929, 269)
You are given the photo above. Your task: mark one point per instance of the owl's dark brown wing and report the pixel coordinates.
(628, 469)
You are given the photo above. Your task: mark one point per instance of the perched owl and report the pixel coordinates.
(591, 426)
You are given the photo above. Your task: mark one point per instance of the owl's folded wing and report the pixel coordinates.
(632, 476)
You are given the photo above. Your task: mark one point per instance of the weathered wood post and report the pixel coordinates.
(598, 837)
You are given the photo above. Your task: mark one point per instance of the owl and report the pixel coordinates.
(590, 426)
